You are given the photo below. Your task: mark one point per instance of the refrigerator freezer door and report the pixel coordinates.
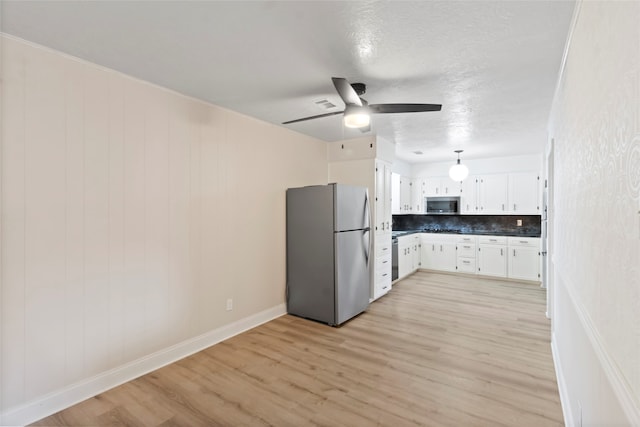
(351, 208)
(352, 273)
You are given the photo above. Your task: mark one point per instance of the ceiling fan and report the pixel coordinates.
(357, 111)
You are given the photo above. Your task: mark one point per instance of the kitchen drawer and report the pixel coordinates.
(383, 249)
(439, 238)
(466, 265)
(383, 263)
(524, 241)
(467, 239)
(383, 279)
(492, 240)
(466, 250)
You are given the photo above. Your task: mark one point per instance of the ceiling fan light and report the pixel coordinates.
(356, 117)
(458, 172)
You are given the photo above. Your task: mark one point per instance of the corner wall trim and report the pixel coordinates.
(68, 396)
(565, 402)
(610, 369)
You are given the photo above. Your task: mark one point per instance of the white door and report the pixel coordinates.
(492, 260)
(524, 193)
(380, 199)
(493, 194)
(405, 194)
(416, 253)
(395, 194)
(468, 195)
(417, 197)
(428, 256)
(524, 263)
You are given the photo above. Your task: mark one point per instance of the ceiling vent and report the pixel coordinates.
(325, 104)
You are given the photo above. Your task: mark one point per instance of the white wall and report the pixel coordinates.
(595, 123)
(528, 163)
(129, 215)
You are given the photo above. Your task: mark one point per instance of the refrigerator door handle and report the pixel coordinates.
(368, 245)
(367, 211)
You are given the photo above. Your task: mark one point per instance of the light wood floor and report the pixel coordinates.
(438, 350)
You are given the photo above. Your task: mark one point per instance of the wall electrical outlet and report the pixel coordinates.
(519, 222)
(229, 304)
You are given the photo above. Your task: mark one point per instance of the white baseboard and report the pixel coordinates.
(565, 402)
(75, 393)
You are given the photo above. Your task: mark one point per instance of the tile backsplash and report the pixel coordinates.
(481, 224)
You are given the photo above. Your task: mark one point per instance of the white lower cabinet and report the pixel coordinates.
(497, 256)
(438, 252)
(492, 256)
(408, 254)
(416, 252)
(405, 258)
(466, 252)
(524, 258)
(382, 267)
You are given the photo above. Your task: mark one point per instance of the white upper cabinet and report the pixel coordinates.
(492, 194)
(418, 193)
(383, 197)
(395, 194)
(469, 195)
(405, 194)
(442, 186)
(524, 193)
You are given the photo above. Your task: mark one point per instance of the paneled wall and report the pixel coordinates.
(130, 214)
(595, 123)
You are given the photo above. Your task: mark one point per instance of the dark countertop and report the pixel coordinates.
(470, 232)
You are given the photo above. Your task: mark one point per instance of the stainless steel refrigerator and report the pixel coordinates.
(328, 252)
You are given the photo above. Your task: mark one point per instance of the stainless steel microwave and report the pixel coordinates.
(442, 205)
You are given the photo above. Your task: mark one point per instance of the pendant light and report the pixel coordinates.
(458, 172)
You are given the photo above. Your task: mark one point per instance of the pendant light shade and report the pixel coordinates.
(356, 116)
(458, 172)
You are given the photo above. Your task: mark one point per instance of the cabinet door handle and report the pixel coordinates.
(524, 241)
(387, 225)
(514, 206)
(514, 253)
(501, 254)
(503, 206)
(440, 248)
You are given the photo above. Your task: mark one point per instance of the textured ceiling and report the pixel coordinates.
(493, 65)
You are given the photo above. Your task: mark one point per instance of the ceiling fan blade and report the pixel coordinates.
(404, 108)
(313, 117)
(346, 92)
